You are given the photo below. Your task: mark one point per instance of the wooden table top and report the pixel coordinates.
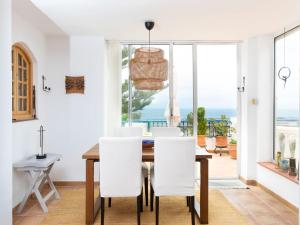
(148, 153)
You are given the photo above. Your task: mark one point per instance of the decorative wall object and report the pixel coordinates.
(284, 72)
(282, 144)
(45, 88)
(148, 68)
(41, 155)
(75, 84)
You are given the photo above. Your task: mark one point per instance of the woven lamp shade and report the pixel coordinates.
(148, 69)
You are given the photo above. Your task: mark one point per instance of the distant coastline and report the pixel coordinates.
(153, 114)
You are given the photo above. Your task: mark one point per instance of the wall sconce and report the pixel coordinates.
(242, 87)
(45, 88)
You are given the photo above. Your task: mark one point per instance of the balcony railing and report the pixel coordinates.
(184, 125)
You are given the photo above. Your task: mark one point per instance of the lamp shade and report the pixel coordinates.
(148, 69)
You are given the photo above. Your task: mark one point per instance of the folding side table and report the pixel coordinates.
(37, 172)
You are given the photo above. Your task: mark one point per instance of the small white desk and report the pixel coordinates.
(37, 172)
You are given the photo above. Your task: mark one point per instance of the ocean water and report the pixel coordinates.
(150, 114)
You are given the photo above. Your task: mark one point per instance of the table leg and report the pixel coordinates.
(204, 191)
(89, 192)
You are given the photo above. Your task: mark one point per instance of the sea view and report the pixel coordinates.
(153, 114)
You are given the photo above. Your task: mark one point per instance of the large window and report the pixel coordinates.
(21, 84)
(287, 95)
(216, 78)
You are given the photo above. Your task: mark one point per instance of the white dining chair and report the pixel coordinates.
(174, 171)
(125, 153)
(135, 132)
(166, 132)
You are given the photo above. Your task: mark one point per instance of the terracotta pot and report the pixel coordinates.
(202, 141)
(221, 141)
(232, 151)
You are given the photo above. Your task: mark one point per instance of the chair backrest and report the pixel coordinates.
(166, 132)
(129, 132)
(174, 166)
(120, 167)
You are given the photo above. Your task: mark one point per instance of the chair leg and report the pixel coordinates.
(138, 209)
(156, 210)
(187, 201)
(142, 201)
(109, 202)
(102, 210)
(146, 190)
(192, 205)
(151, 197)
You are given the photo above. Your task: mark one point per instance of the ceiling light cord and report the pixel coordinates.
(284, 48)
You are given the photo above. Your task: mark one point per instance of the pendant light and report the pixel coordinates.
(284, 72)
(148, 68)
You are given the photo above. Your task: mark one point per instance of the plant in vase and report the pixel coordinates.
(232, 148)
(292, 145)
(202, 125)
(282, 144)
(221, 129)
(292, 161)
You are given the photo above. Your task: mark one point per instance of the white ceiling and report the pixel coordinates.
(175, 19)
(30, 12)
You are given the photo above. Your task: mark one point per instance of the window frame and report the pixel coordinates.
(278, 37)
(18, 115)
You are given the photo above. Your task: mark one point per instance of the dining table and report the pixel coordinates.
(92, 204)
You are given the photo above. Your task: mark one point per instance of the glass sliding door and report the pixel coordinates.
(217, 98)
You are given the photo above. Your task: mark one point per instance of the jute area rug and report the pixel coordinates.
(70, 209)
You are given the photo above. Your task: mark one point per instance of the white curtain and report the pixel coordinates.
(113, 86)
(173, 118)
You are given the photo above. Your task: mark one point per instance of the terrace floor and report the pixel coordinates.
(222, 166)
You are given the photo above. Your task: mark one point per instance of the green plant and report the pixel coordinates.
(221, 127)
(233, 142)
(202, 121)
(292, 148)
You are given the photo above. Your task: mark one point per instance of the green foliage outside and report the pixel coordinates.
(202, 121)
(221, 128)
(233, 142)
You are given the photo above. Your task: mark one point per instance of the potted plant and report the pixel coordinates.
(232, 148)
(221, 131)
(202, 125)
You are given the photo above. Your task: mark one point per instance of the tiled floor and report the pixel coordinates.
(222, 166)
(258, 206)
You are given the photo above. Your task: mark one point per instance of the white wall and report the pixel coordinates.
(25, 135)
(248, 110)
(5, 114)
(73, 122)
(83, 121)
